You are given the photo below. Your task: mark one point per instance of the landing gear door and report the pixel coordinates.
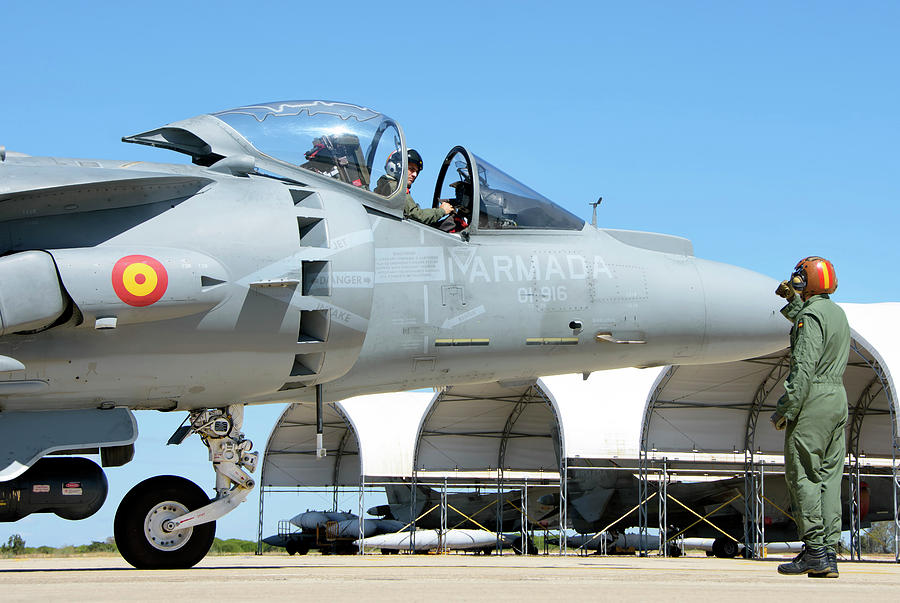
(456, 185)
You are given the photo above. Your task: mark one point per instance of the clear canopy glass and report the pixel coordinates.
(349, 143)
(363, 148)
(506, 203)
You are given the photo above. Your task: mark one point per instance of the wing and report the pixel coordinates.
(66, 191)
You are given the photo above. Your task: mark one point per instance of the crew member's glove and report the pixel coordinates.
(786, 291)
(779, 421)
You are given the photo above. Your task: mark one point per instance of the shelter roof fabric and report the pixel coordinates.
(488, 426)
(708, 409)
(383, 426)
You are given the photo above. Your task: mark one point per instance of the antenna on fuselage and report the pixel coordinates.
(594, 212)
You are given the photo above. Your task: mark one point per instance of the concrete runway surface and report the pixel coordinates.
(441, 577)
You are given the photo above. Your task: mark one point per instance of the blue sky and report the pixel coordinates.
(762, 131)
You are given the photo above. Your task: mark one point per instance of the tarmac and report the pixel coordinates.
(442, 577)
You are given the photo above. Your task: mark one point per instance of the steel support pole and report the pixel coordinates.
(563, 506)
(762, 511)
(259, 532)
(663, 502)
(412, 513)
(758, 519)
(642, 503)
(750, 519)
(443, 540)
(499, 519)
(362, 511)
(855, 523)
(524, 521)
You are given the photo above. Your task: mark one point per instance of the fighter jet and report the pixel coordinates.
(466, 510)
(331, 532)
(278, 266)
(599, 497)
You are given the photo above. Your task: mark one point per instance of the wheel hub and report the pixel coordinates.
(158, 526)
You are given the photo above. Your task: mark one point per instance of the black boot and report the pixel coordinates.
(832, 571)
(810, 559)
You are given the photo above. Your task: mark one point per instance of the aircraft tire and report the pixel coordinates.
(725, 548)
(529, 549)
(137, 526)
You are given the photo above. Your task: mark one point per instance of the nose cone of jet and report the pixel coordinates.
(743, 318)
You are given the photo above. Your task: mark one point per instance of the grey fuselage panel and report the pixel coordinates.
(251, 289)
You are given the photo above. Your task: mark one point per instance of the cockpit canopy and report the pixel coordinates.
(348, 143)
(497, 200)
(344, 143)
(352, 146)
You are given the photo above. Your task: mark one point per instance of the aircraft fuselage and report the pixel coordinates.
(272, 288)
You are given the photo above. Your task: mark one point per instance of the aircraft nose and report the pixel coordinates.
(743, 317)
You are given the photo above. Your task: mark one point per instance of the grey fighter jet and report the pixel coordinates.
(466, 510)
(278, 266)
(601, 499)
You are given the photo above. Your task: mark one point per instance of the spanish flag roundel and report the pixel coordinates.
(139, 280)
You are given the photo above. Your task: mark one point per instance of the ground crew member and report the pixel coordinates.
(813, 413)
(411, 210)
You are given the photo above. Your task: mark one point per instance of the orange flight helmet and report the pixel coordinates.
(814, 276)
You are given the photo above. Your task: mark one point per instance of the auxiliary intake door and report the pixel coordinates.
(31, 297)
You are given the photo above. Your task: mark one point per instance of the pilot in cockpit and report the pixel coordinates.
(388, 183)
(338, 156)
(462, 207)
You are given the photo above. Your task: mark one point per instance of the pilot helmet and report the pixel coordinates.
(393, 164)
(319, 151)
(814, 276)
(413, 158)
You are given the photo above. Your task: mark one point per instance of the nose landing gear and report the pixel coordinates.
(168, 522)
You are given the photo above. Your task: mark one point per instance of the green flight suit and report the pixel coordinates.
(815, 406)
(426, 216)
(386, 185)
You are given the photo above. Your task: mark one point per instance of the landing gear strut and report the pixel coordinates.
(167, 522)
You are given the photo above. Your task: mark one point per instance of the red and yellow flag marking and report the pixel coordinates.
(139, 280)
(826, 278)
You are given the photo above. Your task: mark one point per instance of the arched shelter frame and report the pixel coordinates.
(291, 450)
(519, 398)
(378, 430)
(459, 446)
(870, 396)
(880, 384)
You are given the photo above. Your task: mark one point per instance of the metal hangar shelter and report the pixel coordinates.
(711, 419)
(720, 413)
